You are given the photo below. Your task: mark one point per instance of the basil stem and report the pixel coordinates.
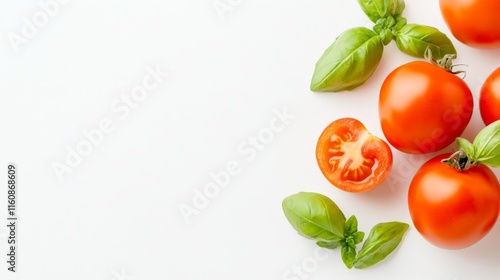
(349, 61)
(381, 241)
(414, 40)
(315, 216)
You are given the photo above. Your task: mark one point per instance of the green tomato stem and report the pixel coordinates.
(446, 62)
(460, 160)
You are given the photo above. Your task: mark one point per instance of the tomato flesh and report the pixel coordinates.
(351, 158)
(489, 98)
(453, 209)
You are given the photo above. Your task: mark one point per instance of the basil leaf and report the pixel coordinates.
(378, 9)
(414, 40)
(358, 237)
(315, 216)
(400, 23)
(381, 241)
(348, 254)
(466, 146)
(487, 145)
(398, 6)
(328, 245)
(350, 241)
(386, 36)
(349, 61)
(351, 226)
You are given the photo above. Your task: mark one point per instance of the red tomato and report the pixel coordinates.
(473, 22)
(351, 158)
(453, 209)
(489, 98)
(423, 108)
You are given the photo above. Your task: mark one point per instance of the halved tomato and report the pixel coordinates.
(351, 158)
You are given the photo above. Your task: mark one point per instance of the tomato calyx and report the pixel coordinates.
(445, 63)
(485, 149)
(460, 160)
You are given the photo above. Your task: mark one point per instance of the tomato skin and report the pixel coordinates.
(423, 108)
(453, 209)
(489, 98)
(351, 158)
(473, 22)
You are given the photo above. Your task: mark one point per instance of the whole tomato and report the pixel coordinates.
(423, 107)
(489, 98)
(453, 209)
(473, 22)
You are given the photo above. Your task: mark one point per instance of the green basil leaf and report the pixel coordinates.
(400, 23)
(386, 36)
(358, 237)
(398, 6)
(348, 254)
(380, 25)
(315, 216)
(381, 241)
(351, 226)
(414, 40)
(377, 9)
(487, 145)
(390, 22)
(349, 61)
(466, 146)
(385, 27)
(350, 241)
(328, 245)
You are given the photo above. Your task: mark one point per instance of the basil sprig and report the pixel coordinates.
(485, 149)
(355, 54)
(317, 217)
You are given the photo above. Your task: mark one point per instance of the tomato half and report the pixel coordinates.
(473, 22)
(489, 98)
(453, 209)
(423, 108)
(351, 158)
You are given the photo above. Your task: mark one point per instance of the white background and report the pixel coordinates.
(116, 214)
